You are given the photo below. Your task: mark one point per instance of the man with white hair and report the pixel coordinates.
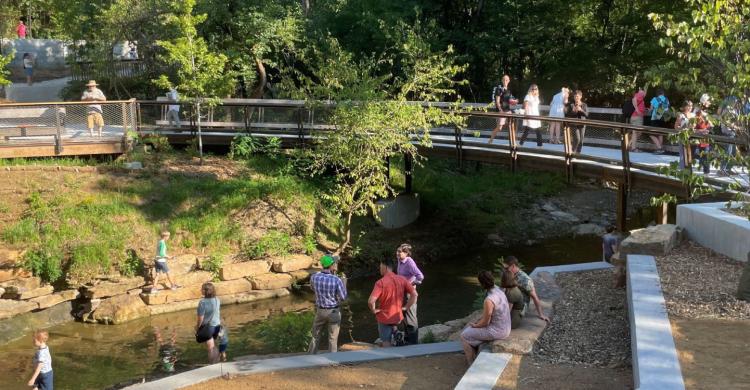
(94, 111)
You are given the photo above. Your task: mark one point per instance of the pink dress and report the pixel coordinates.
(499, 326)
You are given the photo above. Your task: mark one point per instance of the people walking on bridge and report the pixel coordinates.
(94, 111)
(525, 284)
(387, 301)
(579, 110)
(495, 322)
(682, 123)
(173, 112)
(407, 268)
(660, 114)
(557, 110)
(702, 148)
(636, 118)
(504, 100)
(531, 107)
(28, 68)
(21, 29)
(729, 119)
(329, 291)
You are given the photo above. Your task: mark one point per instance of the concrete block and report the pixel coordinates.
(244, 269)
(713, 228)
(291, 263)
(271, 281)
(484, 372)
(399, 211)
(655, 363)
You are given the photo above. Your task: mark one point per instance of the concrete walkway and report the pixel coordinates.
(248, 367)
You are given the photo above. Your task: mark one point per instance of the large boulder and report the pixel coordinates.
(655, 240)
(29, 283)
(244, 269)
(169, 296)
(120, 309)
(10, 308)
(21, 293)
(110, 289)
(188, 279)
(439, 332)
(10, 258)
(303, 275)
(53, 299)
(231, 287)
(291, 263)
(271, 281)
(182, 264)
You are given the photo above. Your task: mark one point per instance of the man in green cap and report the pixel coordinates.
(329, 291)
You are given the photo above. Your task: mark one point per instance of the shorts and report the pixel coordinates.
(223, 347)
(44, 381)
(29, 71)
(385, 332)
(636, 120)
(161, 266)
(95, 118)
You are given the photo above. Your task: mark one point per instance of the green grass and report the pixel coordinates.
(85, 234)
(56, 161)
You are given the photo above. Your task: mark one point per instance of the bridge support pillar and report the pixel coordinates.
(622, 207)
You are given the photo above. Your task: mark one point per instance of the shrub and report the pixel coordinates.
(428, 338)
(23, 231)
(309, 244)
(290, 332)
(43, 264)
(132, 265)
(88, 260)
(243, 147)
(273, 243)
(213, 265)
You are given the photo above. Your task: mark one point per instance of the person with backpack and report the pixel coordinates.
(635, 111)
(660, 114)
(683, 123)
(503, 99)
(729, 125)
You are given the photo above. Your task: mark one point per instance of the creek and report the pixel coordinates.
(88, 356)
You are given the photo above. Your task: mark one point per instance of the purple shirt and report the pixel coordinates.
(408, 269)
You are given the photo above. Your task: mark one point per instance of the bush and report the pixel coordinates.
(243, 147)
(23, 231)
(213, 265)
(43, 264)
(273, 243)
(87, 261)
(290, 332)
(132, 265)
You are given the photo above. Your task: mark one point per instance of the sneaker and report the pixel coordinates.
(635, 150)
(154, 290)
(659, 151)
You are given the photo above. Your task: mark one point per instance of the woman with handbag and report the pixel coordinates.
(209, 321)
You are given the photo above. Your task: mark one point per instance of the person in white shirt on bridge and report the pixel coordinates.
(173, 113)
(557, 110)
(531, 107)
(94, 117)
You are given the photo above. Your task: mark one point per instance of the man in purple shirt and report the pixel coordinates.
(329, 290)
(409, 270)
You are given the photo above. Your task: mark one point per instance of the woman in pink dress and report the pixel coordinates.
(495, 321)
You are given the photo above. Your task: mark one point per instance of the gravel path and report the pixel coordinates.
(590, 324)
(699, 283)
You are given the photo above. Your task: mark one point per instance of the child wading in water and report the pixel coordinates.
(42, 377)
(223, 342)
(161, 263)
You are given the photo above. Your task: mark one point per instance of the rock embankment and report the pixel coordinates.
(116, 299)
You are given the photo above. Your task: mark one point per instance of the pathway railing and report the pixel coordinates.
(64, 123)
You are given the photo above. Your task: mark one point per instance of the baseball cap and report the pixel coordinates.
(327, 260)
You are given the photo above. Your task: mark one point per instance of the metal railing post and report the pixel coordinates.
(513, 144)
(568, 146)
(624, 141)
(58, 136)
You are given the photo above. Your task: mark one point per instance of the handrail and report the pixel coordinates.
(5, 105)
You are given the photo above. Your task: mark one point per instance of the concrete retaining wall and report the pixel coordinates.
(713, 228)
(655, 363)
(398, 212)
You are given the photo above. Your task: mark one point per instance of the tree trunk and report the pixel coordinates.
(347, 235)
(200, 137)
(262, 80)
(305, 4)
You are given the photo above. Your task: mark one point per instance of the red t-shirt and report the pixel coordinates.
(389, 291)
(21, 30)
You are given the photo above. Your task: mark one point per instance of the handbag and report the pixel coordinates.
(204, 333)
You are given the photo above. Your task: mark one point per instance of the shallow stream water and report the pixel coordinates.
(87, 356)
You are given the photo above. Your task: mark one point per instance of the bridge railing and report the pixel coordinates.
(61, 123)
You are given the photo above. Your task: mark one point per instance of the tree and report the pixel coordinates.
(202, 74)
(710, 53)
(4, 72)
(370, 128)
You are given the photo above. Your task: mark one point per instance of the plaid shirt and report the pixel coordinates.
(329, 290)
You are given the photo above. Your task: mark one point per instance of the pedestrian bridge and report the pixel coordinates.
(60, 129)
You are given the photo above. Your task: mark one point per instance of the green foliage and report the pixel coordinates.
(87, 261)
(290, 332)
(23, 231)
(246, 146)
(273, 243)
(132, 265)
(4, 61)
(497, 271)
(46, 265)
(428, 338)
(213, 265)
(309, 244)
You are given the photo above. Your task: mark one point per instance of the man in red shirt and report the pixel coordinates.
(389, 296)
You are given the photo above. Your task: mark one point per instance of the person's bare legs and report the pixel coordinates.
(634, 140)
(498, 128)
(469, 352)
(657, 140)
(156, 281)
(213, 352)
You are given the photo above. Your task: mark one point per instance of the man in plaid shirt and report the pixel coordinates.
(329, 290)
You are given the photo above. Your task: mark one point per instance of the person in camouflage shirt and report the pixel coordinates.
(525, 284)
